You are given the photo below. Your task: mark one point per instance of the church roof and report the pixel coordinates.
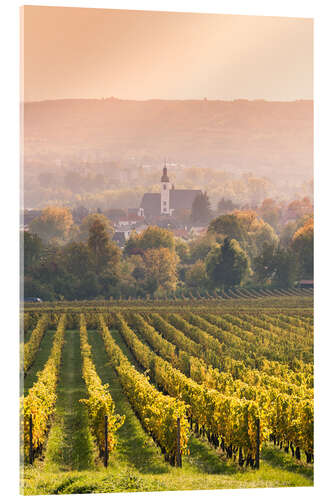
(151, 203)
(182, 199)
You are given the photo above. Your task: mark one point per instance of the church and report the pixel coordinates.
(168, 200)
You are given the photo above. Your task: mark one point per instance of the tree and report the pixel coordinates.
(278, 265)
(264, 235)
(227, 264)
(79, 213)
(229, 226)
(286, 268)
(78, 259)
(201, 211)
(54, 223)
(270, 212)
(264, 265)
(89, 220)
(200, 247)
(224, 206)
(152, 237)
(182, 250)
(196, 275)
(300, 208)
(35, 288)
(160, 269)
(287, 233)
(103, 251)
(302, 244)
(32, 249)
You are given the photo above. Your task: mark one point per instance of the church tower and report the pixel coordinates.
(165, 192)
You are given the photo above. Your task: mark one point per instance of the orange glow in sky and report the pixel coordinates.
(94, 53)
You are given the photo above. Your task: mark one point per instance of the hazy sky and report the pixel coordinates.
(93, 53)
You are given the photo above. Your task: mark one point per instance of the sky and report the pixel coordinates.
(97, 53)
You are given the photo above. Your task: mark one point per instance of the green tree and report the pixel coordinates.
(196, 275)
(201, 210)
(77, 258)
(200, 247)
(89, 220)
(102, 250)
(286, 268)
(227, 264)
(32, 249)
(35, 288)
(264, 265)
(264, 235)
(278, 266)
(230, 226)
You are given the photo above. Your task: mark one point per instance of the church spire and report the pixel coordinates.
(165, 177)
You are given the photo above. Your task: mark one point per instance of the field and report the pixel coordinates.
(174, 395)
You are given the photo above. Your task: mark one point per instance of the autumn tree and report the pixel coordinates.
(54, 223)
(302, 244)
(152, 237)
(182, 250)
(160, 269)
(300, 208)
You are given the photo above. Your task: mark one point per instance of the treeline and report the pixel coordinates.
(119, 184)
(239, 249)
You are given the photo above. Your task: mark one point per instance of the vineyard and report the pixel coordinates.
(202, 393)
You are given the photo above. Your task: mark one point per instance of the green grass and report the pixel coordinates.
(70, 464)
(131, 436)
(40, 360)
(70, 445)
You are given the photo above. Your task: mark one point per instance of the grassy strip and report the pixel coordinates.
(131, 436)
(40, 360)
(70, 445)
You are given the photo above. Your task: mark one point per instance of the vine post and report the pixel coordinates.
(106, 454)
(178, 454)
(31, 451)
(257, 443)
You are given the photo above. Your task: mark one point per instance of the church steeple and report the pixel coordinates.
(165, 192)
(165, 177)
